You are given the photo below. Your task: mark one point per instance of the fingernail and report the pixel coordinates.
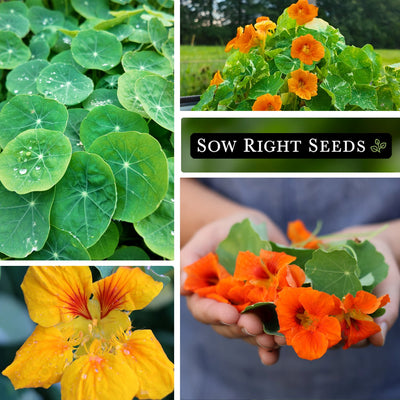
(225, 323)
(246, 332)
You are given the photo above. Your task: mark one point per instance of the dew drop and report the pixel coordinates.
(23, 171)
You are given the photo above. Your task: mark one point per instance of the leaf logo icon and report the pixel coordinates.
(378, 146)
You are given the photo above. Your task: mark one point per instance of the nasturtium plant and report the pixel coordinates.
(86, 141)
(315, 292)
(300, 63)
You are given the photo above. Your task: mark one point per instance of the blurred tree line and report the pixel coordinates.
(214, 22)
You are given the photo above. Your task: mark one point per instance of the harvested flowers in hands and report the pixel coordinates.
(314, 293)
(300, 63)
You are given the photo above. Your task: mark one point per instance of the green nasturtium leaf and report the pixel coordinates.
(22, 79)
(24, 221)
(75, 118)
(106, 245)
(370, 261)
(146, 61)
(42, 18)
(338, 89)
(140, 169)
(34, 161)
(157, 97)
(267, 313)
(158, 273)
(364, 96)
(101, 97)
(140, 33)
(14, 7)
(108, 82)
(61, 245)
(119, 18)
(15, 23)
(25, 112)
(92, 8)
(129, 253)
(126, 92)
(355, 65)
(39, 48)
(106, 119)
(96, 50)
(85, 198)
(242, 236)
(158, 33)
(67, 58)
(335, 272)
(64, 83)
(157, 229)
(13, 51)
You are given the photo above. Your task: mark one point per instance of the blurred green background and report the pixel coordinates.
(291, 125)
(16, 326)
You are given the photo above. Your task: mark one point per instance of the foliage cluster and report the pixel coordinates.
(308, 65)
(86, 162)
(361, 21)
(252, 273)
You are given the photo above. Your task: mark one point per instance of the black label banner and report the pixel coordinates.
(290, 145)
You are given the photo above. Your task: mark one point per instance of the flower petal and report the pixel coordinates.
(57, 294)
(146, 357)
(100, 377)
(310, 345)
(41, 360)
(127, 289)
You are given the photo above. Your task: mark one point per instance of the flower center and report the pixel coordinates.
(306, 49)
(304, 319)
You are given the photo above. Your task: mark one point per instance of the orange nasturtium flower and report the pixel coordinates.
(217, 79)
(354, 318)
(204, 274)
(84, 336)
(307, 49)
(303, 84)
(299, 235)
(244, 40)
(267, 102)
(264, 26)
(302, 12)
(268, 273)
(305, 319)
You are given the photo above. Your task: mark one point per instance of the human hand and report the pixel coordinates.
(224, 318)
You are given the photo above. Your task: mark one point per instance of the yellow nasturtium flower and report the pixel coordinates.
(84, 336)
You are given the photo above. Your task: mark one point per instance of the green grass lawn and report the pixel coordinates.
(199, 63)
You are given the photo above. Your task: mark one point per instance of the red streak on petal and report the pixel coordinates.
(111, 294)
(76, 303)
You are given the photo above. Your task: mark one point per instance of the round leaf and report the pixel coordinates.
(61, 245)
(140, 170)
(13, 51)
(333, 272)
(14, 7)
(96, 50)
(127, 92)
(42, 18)
(158, 33)
(25, 112)
(157, 97)
(92, 8)
(34, 161)
(16, 23)
(101, 97)
(39, 48)
(24, 221)
(64, 83)
(66, 58)
(22, 79)
(85, 198)
(146, 61)
(106, 119)
(157, 229)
